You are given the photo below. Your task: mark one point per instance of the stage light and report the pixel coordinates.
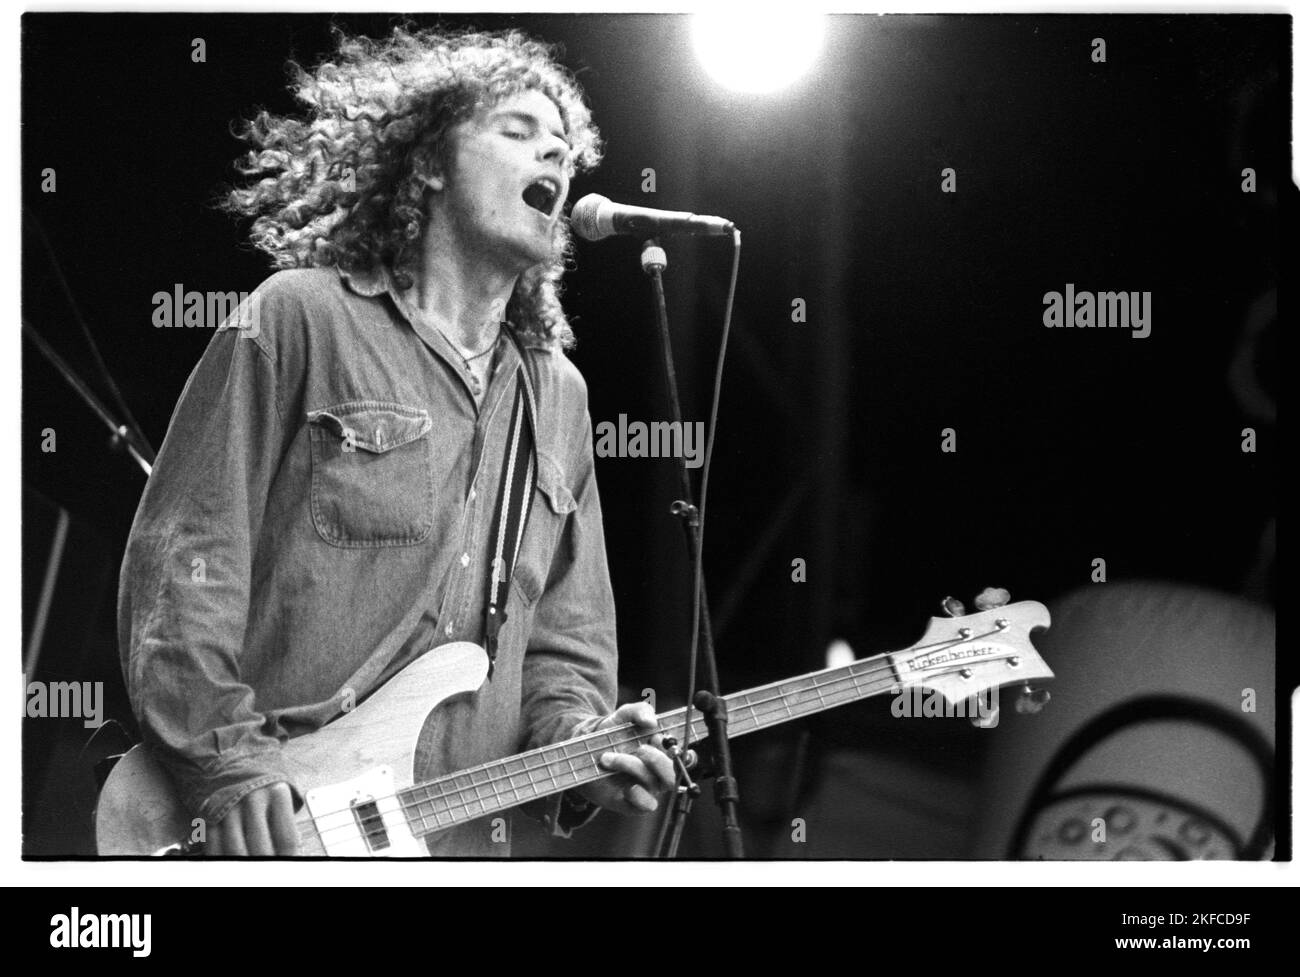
(757, 53)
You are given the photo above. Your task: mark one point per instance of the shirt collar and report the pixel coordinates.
(370, 282)
(378, 280)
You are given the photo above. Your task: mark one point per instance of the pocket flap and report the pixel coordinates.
(553, 489)
(371, 425)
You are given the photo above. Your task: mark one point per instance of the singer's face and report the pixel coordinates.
(507, 185)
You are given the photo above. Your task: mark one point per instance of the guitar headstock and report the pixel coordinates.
(969, 654)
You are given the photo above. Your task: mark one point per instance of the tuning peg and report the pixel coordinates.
(991, 597)
(953, 607)
(1031, 701)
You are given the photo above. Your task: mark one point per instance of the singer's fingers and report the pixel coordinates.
(231, 831)
(284, 831)
(641, 800)
(659, 766)
(632, 767)
(257, 829)
(640, 714)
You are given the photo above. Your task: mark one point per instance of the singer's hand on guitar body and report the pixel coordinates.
(641, 776)
(262, 823)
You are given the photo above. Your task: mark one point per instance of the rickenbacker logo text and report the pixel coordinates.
(922, 662)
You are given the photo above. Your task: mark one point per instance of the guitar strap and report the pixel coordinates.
(514, 501)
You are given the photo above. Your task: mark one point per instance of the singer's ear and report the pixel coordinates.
(434, 181)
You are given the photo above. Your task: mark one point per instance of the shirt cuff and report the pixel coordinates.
(213, 795)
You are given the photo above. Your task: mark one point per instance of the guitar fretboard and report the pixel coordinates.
(503, 784)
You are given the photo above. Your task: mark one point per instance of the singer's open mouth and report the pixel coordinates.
(541, 196)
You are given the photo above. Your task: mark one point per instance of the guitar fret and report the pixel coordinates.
(510, 776)
(461, 785)
(496, 787)
(437, 818)
(527, 773)
(477, 785)
(460, 788)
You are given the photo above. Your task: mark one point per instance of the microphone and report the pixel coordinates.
(595, 217)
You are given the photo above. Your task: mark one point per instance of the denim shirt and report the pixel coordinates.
(320, 515)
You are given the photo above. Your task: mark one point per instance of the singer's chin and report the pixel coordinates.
(551, 259)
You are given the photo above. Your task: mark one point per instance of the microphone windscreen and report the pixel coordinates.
(584, 217)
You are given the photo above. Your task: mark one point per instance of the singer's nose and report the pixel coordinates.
(555, 150)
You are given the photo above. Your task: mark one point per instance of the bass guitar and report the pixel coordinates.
(356, 773)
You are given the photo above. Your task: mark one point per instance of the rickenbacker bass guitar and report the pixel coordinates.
(356, 773)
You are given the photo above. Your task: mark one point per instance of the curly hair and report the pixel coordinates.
(343, 186)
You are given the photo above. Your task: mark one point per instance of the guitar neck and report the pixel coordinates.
(503, 784)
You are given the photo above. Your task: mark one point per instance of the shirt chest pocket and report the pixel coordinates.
(371, 474)
(552, 505)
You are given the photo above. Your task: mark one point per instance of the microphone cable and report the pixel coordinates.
(704, 490)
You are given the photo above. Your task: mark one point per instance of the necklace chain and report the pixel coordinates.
(491, 346)
(467, 360)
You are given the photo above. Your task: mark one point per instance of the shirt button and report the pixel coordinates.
(473, 494)
(464, 559)
(450, 629)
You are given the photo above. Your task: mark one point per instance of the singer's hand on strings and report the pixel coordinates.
(642, 775)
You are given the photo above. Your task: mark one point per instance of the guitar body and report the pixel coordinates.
(363, 757)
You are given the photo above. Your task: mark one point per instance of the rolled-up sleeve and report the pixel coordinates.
(571, 666)
(187, 575)
(570, 671)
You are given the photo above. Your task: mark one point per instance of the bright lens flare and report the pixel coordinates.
(758, 54)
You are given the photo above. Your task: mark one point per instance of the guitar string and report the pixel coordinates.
(815, 681)
(460, 805)
(459, 798)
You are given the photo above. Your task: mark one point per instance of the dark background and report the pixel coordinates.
(924, 313)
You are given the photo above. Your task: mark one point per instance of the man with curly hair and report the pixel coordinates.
(324, 506)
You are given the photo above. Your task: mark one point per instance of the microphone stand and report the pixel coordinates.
(713, 708)
(124, 437)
